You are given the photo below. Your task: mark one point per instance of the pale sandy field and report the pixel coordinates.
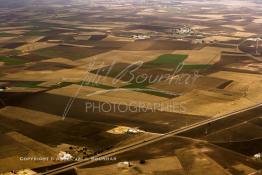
(77, 45)
(126, 97)
(238, 77)
(199, 102)
(243, 92)
(64, 75)
(258, 20)
(239, 28)
(198, 27)
(191, 18)
(219, 38)
(14, 28)
(27, 39)
(61, 60)
(17, 32)
(101, 27)
(207, 55)
(35, 46)
(248, 84)
(210, 16)
(116, 38)
(91, 33)
(257, 67)
(239, 20)
(229, 4)
(126, 56)
(142, 31)
(243, 34)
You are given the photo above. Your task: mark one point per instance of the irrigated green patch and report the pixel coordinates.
(11, 61)
(144, 89)
(169, 59)
(3, 34)
(97, 85)
(29, 84)
(34, 33)
(159, 94)
(195, 66)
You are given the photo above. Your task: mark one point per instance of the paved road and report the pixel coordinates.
(143, 142)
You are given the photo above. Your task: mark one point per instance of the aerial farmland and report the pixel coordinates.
(131, 87)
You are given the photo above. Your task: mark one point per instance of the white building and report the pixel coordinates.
(140, 37)
(258, 156)
(63, 156)
(124, 164)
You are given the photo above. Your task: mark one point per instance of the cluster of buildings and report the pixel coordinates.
(182, 30)
(258, 156)
(140, 37)
(63, 156)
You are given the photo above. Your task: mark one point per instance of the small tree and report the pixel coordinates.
(142, 161)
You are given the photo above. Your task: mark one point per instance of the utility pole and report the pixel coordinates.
(257, 47)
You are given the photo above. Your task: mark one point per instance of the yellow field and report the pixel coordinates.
(248, 84)
(207, 55)
(198, 27)
(127, 97)
(245, 91)
(17, 32)
(258, 19)
(243, 34)
(117, 38)
(219, 38)
(61, 60)
(199, 102)
(14, 28)
(116, 56)
(239, 28)
(210, 16)
(35, 46)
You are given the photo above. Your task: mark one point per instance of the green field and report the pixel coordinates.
(159, 94)
(34, 33)
(195, 66)
(143, 86)
(3, 34)
(97, 85)
(11, 61)
(169, 59)
(137, 85)
(29, 84)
